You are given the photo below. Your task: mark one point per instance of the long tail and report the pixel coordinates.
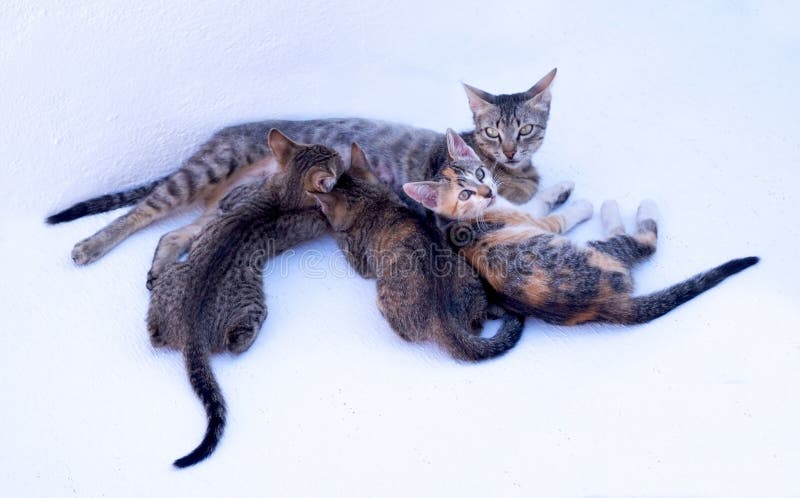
(205, 385)
(470, 347)
(652, 306)
(104, 203)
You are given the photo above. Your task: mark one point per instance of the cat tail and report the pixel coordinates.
(652, 306)
(470, 347)
(205, 385)
(104, 203)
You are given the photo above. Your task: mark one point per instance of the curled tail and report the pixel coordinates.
(470, 347)
(652, 306)
(104, 203)
(205, 385)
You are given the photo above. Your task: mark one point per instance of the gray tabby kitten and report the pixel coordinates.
(508, 130)
(214, 301)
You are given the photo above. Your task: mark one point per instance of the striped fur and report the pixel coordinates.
(398, 154)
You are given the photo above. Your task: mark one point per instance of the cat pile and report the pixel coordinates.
(410, 208)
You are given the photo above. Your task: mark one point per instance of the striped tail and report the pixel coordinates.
(652, 306)
(470, 347)
(104, 203)
(205, 385)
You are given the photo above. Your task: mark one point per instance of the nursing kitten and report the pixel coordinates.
(535, 271)
(214, 301)
(425, 291)
(508, 130)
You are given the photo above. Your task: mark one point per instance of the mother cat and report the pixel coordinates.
(508, 130)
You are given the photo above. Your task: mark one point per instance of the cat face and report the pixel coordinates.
(510, 128)
(464, 189)
(304, 168)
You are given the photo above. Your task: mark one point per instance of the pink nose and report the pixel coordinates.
(509, 153)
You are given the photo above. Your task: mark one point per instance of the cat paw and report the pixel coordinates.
(151, 279)
(87, 251)
(240, 338)
(611, 219)
(156, 339)
(583, 209)
(560, 193)
(647, 211)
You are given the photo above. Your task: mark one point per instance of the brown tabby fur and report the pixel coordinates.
(214, 301)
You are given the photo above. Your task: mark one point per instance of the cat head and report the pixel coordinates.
(355, 194)
(303, 168)
(510, 128)
(463, 190)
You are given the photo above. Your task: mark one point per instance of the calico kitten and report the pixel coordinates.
(537, 272)
(509, 128)
(214, 301)
(425, 291)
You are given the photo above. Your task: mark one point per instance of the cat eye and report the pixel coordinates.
(491, 132)
(526, 130)
(480, 174)
(465, 194)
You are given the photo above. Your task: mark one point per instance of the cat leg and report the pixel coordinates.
(544, 202)
(611, 219)
(561, 222)
(173, 245)
(631, 249)
(245, 325)
(516, 185)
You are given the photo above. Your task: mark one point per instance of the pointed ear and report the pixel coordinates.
(325, 202)
(539, 94)
(457, 148)
(478, 99)
(359, 165)
(426, 193)
(281, 146)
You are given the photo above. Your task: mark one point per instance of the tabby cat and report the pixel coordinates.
(425, 291)
(539, 273)
(508, 130)
(214, 301)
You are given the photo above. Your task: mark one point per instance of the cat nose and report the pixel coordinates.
(509, 153)
(485, 191)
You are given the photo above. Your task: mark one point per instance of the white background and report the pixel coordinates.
(694, 105)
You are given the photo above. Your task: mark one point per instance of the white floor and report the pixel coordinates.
(696, 107)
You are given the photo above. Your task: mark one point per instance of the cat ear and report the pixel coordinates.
(457, 148)
(282, 147)
(478, 99)
(359, 165)
(539, 94)
(326, 202)
(426, 193)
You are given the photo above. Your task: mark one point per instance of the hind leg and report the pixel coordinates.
(628, 249)
(549, 199)
(567, 218)
(244, 327)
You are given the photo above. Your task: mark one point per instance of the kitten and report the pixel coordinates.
(214, 301)
(425, 291)
(509, 128)
(537, 272)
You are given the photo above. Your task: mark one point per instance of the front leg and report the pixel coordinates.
(567, 218)
(516, 185)
(547, 200)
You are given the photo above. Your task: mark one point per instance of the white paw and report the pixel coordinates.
(583, 209)
(559, 193)
(647, 211)
(609, 215)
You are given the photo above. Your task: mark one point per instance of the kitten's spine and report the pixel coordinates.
(205, 385)
(652, 306)
(103, 203)
(470, 347)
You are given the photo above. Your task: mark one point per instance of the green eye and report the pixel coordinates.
(526, 130)
(465, 194)
(491, 132)
(480, 174)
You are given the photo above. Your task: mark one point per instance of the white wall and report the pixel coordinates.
(693, 104)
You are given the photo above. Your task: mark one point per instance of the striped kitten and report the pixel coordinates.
(214, 301)
(508, 130)
(426, 292)
(539, 273)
